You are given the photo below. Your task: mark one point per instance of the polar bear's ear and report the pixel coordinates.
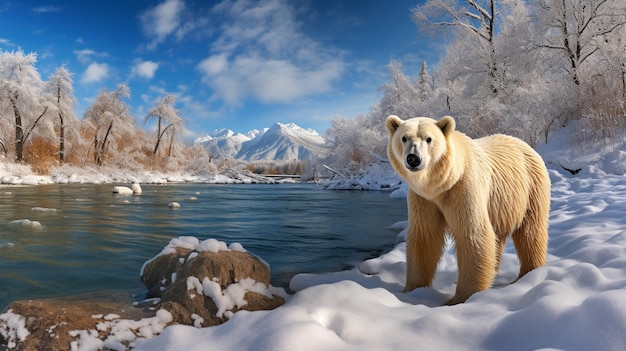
(446, 124)
(392, 123)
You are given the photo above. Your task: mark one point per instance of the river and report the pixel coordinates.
(92, 240)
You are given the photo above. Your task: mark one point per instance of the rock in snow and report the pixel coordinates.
(208, 280)
(78, 323)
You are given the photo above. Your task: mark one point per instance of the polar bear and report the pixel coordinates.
(479, 191)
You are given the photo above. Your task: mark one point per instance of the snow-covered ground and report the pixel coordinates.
(16, 174)
(577, 301)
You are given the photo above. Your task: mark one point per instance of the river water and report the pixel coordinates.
(91, 240)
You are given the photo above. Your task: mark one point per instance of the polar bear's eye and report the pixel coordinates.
(404, 139)
(429, 139)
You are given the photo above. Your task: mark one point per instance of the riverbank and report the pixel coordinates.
(17, 174)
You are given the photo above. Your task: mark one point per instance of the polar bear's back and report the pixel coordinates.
(519, 178)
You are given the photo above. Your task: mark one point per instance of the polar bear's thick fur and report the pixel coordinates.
(479, 191)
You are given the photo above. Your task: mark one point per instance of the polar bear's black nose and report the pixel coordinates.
(413, 160)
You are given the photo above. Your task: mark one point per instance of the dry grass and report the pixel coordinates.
(41, 154)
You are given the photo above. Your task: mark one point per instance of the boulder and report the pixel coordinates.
(205, 288)
(54, 324)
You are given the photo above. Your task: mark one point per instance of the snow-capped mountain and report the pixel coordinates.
(281, 142)
(223, 142)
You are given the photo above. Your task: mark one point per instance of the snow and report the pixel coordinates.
(11, 174)
(378, 176)
(123, 191)
(13, 328)
(229, 298)
(122, 333)
(576, 301)
(26, 223)
(194, 244)
(44, 210)
(605, 156)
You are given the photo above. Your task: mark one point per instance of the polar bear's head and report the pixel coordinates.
(418, 142)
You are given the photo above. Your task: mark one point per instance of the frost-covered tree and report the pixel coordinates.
(168, 121)
(489, 78)
(400, 95)
(575, 29)
(109, 115)
(498, 76)
(475, 17)
(355, 142)
(613, 49)
(424, 83)
(61, 91)
(21, 101)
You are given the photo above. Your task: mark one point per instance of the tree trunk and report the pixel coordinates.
(3, 148)
(96, 149)
(624, 88)
(156, 148)
(103, 146)
(61, 128)
(19, 132)
(492, 50)
(169, 150)
(61, 140)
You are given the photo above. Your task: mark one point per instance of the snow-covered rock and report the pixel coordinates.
(209, 280)
(26, 223)
(135, 189)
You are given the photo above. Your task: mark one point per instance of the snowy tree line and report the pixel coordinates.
(524, 68)
(38, 125)
(520, 67)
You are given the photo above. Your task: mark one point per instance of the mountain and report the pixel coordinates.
(223, 143)
(281, 142)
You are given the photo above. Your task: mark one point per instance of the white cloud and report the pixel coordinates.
(162, 21)
(262, 54)
(5, 42)
(145, 69)
(46, 9)
(267, 80)
(95, 72)
(85, 56)
(214, 65)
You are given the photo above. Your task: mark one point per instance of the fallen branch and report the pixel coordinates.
(572, 171)
(333, 170)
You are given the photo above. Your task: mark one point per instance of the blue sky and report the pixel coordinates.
(239, 65)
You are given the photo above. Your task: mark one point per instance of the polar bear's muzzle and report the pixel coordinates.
(413, 162)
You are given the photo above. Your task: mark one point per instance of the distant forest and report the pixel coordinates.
(524, 68)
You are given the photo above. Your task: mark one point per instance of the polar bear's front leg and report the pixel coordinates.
(476, 258)
(425, 241)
